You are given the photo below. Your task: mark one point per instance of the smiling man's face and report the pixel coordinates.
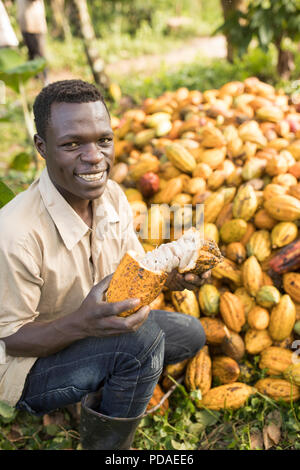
(79, 149)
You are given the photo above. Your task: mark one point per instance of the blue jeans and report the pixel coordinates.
(128, 367)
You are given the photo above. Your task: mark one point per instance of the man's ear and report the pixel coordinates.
(40, 145)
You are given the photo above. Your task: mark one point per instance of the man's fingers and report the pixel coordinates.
(114, 308)
(126, 324)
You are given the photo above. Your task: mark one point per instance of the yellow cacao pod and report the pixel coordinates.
(233, 345)
(257, 340)
(209, 299)
(213, 206)
(283, 234)
(228, 194)
(285, 208)
(282, 320)
(236, 252)
(186, 302)
(145, 164)
(291, 284)
(224, 216)
(252, 275)
(212, 157)
(214, 329)
(258, 318)
(276, 165)
(180, 157)
(228, 269)
(211, 232)
(273, 190)
(247, 300)
(232, 311)
(263, 220)
(278, 389)
(170, 190)
(142, 138)
(292, 373)
(133, 194)
(225, 369)
(259, 245)
(269, 113)
(286, 180)
(275, 359)
(228, 396)
(175, 371)
(198, 375)
(233, 230)
(250, 230)
(268, 296)
(245, 203)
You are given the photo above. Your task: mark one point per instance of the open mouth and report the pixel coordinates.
(93, 177)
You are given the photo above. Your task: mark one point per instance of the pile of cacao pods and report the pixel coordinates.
(237, 151)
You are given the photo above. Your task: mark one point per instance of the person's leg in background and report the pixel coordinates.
(35, 43)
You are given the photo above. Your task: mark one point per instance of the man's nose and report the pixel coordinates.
(92, 154)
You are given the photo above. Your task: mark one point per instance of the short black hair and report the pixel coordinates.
(63, 91)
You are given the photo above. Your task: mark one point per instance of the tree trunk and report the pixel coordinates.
(61, 24)
(285, 62)
(90, 44)
(229, 7)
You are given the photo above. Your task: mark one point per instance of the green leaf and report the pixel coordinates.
(177, 445)
(9, 58)
(207, 418)
(22, 73)
(6, 411)
(6, 194)
(21, 161)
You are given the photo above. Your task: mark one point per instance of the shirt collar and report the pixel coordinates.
(69, 224)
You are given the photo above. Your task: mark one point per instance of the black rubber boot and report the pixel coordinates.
(101, 432)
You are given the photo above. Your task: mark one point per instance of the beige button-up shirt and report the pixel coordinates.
(50, 259)
(31, 16)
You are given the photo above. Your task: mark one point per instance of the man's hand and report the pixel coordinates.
(99, 318)
(177, 281)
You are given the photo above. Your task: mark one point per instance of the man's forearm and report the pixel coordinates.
(41, 339)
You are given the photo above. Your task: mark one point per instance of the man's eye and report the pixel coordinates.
(105, 140)
(71, 145)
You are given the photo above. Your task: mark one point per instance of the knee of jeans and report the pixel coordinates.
(152, 358)
(198, 337)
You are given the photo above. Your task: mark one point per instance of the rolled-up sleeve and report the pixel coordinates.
(20, 288)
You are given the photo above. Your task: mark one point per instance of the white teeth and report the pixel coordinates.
(95, 177)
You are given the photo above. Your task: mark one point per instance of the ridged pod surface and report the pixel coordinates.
(275, 359)
(282, 320)
(246, 299)
(180, 157)
(245, 203)
(278, 389)
(285, 208)
(259, 245)
(252, 275)
(228, 396)
(175, 371)
(225, 369)
(198, 375)
(233, 345)
(232, 311)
